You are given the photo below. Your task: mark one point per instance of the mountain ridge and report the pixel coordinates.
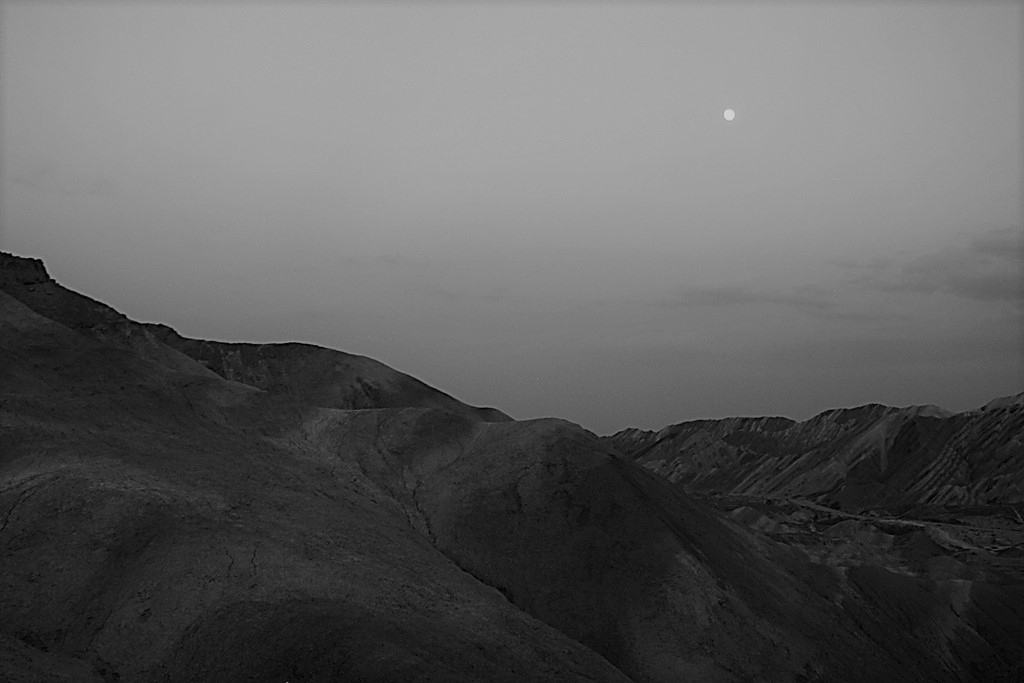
(161, 522)
(848, 457)
(310, 373)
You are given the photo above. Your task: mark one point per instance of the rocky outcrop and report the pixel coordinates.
(16, 271)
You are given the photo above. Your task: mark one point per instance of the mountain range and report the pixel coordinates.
(854, 458)
(174, 509)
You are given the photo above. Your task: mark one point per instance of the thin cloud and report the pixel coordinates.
(811, 300)
(800, 298)
(988, 268)
(815, 301)
(55, 180)
(876, 264)
(1001, 242)
(855, 316)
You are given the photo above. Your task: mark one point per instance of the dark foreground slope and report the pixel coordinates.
(161, 522)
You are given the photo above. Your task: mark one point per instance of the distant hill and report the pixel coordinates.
(180, 510)
(851, 458)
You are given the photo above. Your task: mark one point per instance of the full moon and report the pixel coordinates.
(729, 114)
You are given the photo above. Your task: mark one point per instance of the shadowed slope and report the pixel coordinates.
(153, 530)
(621, 561)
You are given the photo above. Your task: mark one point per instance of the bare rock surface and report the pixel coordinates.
(854, 458)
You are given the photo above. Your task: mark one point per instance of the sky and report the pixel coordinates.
(540, 207)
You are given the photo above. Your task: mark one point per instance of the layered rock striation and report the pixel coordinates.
(873, 455)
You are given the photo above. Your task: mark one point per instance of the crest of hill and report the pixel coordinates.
(304, 372)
